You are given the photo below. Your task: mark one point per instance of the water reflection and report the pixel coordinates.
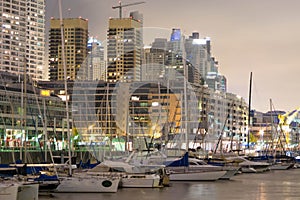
(266, 186)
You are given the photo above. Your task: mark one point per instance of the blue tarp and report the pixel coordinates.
(182, 162)
(44, 177)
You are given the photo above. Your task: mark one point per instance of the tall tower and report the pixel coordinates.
(124, 48)
(96, 69)
(154, 59)
(23, 37)
(76, 40)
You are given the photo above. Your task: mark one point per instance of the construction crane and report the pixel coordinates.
(284, 123)
(120, 6)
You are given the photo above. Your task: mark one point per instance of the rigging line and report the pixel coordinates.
(158, 120)
(8, 98)
(12, 120)
(224, 126)
(280, 134)
(173, 119)
(47, 144)
(166, 125)
(65, 84)
(39, 140)
(42, 119)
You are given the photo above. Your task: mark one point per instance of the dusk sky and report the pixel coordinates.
(262, 37)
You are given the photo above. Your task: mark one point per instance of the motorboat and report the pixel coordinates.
(185, 174)
(248, 166)
(276, 161)
(181, 170)
(196, 163)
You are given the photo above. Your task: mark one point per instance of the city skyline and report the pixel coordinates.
(251, 36)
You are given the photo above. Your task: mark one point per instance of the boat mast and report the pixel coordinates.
(25, 111)
(185, 74)
(249, 110)
(66, 84)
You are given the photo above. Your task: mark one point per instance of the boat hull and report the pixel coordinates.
(280, 166)
(28, 192)
(197, 176)
(19, 192)
(230, 173)
(88, 184)
(136, 181)
(8, 192)
(254, 169)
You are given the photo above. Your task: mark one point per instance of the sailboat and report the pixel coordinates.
(133, 176)
(179, 167)
(180, 170)
(81, 182)
(278, 157)
(13, 189)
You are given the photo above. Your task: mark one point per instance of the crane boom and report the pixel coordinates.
(120, 6)
(284, 122)
(288, 117)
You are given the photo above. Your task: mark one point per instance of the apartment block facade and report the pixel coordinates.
(124, 48)
(75, 46)
(22, 46)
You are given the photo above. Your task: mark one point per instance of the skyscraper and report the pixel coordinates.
(23, 37)
(154, 59)
(96, 69)
(124, 40)
(76, 39)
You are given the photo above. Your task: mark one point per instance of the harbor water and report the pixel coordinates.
(272, 185)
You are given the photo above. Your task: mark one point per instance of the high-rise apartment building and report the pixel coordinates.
(75, 45)
(154, 60)
(124, 48)
(175, 47)
(96, 69)
(23, 37)
(198, 54)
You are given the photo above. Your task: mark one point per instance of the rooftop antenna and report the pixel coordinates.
(120, 6)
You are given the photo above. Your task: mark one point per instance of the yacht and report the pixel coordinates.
(196, 163)
(248, 166)
(181, 170)
(133, 176)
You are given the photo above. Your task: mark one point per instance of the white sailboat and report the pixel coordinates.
(81, 182)
(181, 170)
(11, 189)
(132, 176)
